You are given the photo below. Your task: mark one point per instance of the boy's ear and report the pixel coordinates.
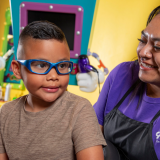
(16, 69)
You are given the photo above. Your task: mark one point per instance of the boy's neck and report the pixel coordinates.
(34, 104)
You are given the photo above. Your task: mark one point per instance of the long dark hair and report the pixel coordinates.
(153, 14)
(139, 89)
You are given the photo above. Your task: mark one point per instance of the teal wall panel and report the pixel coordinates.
(88, 7)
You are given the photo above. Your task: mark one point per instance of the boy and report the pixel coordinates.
(49, 122)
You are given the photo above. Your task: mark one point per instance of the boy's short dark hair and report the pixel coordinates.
(42, 30)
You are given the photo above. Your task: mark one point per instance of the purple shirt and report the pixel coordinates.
(116, 85)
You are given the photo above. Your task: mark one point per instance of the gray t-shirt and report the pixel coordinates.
(58, 132)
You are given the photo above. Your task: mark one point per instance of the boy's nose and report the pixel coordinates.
(52, 75)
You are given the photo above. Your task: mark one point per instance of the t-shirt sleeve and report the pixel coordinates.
(2, 148)
(86, 131)
(100, 105)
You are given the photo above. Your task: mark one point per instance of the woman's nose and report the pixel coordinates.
(146, 51)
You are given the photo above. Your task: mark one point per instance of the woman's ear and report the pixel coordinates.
(16, 69)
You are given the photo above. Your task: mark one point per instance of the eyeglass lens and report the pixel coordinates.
(42, 67)
(64, 67)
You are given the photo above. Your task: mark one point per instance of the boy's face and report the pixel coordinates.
(50, 86)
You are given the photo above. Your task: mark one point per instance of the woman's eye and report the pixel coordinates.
(142, 41)
(156, 47)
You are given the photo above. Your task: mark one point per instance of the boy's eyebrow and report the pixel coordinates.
(42, 59)
(63, 59)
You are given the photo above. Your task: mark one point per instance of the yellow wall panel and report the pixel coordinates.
(4, 4)
(118, 25)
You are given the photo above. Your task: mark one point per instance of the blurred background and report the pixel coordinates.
(116, 26)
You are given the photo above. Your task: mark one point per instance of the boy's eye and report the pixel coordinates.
(42, 65)
(39, 64)
(63, 65)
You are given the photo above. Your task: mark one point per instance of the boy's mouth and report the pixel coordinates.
(50, 89)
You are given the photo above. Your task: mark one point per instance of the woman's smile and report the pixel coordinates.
(146, 66)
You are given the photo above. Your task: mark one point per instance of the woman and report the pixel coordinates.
(128, 108)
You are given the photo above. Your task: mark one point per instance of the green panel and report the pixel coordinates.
(5, 47)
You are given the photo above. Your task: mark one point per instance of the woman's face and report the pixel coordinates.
(149, 53)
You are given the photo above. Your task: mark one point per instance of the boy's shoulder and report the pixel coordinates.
(75, 98)
(10, 106)
(74, 101)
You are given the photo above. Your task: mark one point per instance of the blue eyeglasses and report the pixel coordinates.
(43, 67)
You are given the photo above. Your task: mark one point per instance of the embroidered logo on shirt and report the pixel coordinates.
(158, 137)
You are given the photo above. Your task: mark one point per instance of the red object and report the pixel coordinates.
(75, 68)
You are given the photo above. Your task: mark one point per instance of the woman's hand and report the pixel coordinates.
(3, 156)
(92, 153)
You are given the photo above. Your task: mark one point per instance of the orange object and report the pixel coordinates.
(101, 64)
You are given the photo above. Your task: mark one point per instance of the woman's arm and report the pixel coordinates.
(92, 153)
(3, 156)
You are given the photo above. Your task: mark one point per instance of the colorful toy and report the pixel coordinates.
(89, 77)
(6, 74)
(95, 55)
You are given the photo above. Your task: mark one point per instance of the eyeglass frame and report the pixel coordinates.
(27, 64)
